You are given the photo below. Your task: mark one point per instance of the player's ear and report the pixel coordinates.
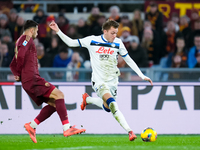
(31, 30)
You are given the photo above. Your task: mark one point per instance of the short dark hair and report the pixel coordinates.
(30, 24)
(110, 23)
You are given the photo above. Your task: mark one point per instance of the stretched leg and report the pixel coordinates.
(108, 104)
(56, 103)
(96, 101)
(62, 112)
(58, 96)
(45, 113)
(116, 112)
(111, 103)
(93, 100)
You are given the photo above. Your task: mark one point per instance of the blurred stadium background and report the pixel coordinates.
(149, 34)
(163, 37)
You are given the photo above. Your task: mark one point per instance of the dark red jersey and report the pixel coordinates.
(24, 63)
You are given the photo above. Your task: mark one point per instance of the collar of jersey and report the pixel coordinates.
(102, 36)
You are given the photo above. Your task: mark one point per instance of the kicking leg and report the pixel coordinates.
(91, 100)
(62, 112)
(45, 113)
(118, 115)
(58, 96)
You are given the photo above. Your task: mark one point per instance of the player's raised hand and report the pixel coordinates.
(148, 79)
(17, 78)
(54, 26)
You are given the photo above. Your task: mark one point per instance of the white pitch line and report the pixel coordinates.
(115, 147)
(70, 148)
(123, 147)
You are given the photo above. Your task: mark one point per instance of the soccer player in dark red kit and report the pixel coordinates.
(24, 66)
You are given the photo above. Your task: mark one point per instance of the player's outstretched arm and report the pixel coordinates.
(134, 66)
(67, 40)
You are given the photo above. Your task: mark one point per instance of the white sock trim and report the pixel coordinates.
(33, 124)
(66, 126)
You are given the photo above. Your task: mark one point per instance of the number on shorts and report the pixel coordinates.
(115, 93)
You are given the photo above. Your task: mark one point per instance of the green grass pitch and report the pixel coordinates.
(98, 142)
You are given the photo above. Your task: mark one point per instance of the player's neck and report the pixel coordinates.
(27, 33)
(104, 37)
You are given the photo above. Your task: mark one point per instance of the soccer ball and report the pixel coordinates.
(149, 135)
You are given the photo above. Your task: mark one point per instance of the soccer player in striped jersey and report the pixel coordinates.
(104, 50)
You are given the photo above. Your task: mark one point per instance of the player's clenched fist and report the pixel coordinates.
(17, 78)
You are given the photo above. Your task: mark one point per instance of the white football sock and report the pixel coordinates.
(33, 124)
(119, 116)
(96, 101)
(66, 126)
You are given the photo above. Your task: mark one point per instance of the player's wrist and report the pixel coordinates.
(57, 31)
(143, 77)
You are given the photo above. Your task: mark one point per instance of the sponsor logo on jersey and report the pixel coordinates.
(111, 45)
(24, 43)
(104, 56)
(103, 50)
(47, 84)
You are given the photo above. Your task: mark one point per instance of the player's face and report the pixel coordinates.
(35, 32)
(110, 34)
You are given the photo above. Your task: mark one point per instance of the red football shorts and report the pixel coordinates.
(39, 90)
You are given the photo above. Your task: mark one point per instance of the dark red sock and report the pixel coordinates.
(61, 110)
(45, 113)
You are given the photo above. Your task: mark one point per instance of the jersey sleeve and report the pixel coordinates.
(20, 52)
(85, 42)
(67, 40)
(122, 50)
(13, 67)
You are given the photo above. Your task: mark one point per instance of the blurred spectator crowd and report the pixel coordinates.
(150, 42)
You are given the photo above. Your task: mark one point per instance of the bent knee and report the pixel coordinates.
(59, 95)
(106, 109)
(56, 94)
